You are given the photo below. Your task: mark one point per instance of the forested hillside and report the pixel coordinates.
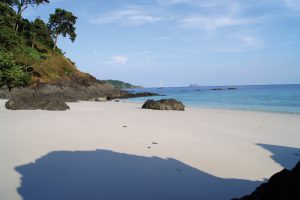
(28, 51)
(120, 84)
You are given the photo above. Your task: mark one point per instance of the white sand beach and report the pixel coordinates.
(226, 144)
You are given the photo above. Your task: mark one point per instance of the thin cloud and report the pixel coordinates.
(131, 15)
(200, 3)
(119, 59)
(293, 5)
(209, 23)
(239, 42)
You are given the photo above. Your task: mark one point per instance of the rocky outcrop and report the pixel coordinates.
(125, 95)
(284, 185)
(164, 104)
(72, 88)
(34, 100)
(50, 96)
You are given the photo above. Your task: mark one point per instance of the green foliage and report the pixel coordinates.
(11, 74)
(41, 32)
(8, 39)
(32, 53)
(7, 15)
(29, 43)
(62, 23)
(120, 84)
(9, 2)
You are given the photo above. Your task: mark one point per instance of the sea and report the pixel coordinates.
(268, 98)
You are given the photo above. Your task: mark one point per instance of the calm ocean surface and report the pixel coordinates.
(270, 98)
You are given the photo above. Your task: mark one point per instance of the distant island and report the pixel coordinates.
(194, 85)
(120, 84)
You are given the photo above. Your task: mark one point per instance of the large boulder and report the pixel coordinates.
(34, 100)
(284, 185)
(164, 104)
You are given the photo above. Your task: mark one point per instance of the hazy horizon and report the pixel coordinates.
(183, 42)
(189, 85)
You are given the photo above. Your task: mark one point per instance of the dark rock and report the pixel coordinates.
(164, 104)
(125, 95)
(217, 89)
(33, 100)
(284, 185)
(72, 88)
(64, 93)
(230, 88)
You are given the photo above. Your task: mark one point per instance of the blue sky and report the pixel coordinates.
(208, 42)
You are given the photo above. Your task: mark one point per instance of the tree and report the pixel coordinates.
(39, 32)
(8, 39)
(9, 2)
(62, 23)
(7, 15)
(11, 74)
(23, 4)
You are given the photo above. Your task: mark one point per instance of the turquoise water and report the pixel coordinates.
(271, 98)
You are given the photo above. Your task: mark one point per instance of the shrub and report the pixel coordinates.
(11, 74)
(8, 39)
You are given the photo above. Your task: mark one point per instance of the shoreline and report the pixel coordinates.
(219, 108)
(222, 143)
(186, 107)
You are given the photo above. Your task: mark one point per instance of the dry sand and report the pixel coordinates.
(223, 143)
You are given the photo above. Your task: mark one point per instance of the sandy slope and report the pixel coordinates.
(221, 143)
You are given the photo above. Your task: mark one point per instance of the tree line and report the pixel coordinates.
(21, 36)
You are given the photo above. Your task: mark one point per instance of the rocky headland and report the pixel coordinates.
(53, 96)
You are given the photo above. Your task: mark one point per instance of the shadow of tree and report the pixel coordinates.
(107, 175)
(287, 157)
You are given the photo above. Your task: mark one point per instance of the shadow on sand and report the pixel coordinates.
(107, 175)
(287, 157)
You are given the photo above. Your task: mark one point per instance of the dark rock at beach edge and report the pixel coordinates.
(54, 96)
(126, 95)
(31, 100)
(284, 185)
(164, 104)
